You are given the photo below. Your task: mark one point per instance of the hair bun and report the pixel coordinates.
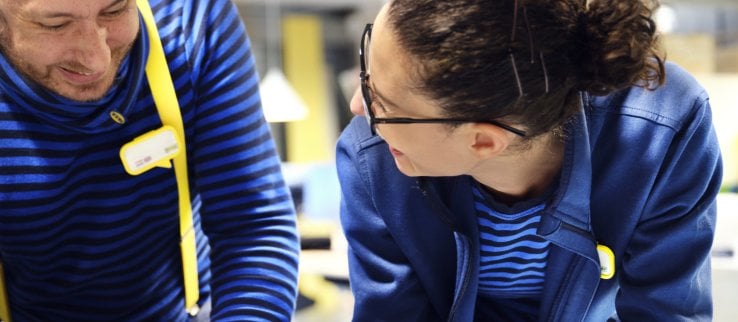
(618, 47)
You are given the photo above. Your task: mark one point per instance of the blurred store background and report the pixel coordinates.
(306, 53)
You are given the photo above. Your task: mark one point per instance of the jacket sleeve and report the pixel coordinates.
(666, 267)
(382, 278)
(247, 212)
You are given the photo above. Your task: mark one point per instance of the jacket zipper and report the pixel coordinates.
(575, 267)
(578, 231)
(436, 204)
(462, 290)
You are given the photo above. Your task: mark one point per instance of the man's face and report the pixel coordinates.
(71, 47)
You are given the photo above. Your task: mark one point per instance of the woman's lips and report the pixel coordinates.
(395, 152)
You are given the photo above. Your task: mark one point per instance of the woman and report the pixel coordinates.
(526, 160)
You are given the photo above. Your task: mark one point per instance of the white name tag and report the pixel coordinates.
(153, 149)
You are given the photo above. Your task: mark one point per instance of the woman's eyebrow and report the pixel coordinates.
(383, 99)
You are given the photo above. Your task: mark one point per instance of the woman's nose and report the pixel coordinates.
(357, 102)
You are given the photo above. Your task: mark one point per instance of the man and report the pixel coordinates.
(83, 240)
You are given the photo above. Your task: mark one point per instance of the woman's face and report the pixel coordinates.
(71, 47)
(418, 149)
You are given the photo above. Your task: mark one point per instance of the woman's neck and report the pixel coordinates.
(521, 175)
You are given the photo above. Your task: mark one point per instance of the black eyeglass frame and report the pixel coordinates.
(367, 99)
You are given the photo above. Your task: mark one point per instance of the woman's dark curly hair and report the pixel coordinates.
(461, 52)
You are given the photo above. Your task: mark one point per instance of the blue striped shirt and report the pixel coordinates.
(81, 240)
(512, 256)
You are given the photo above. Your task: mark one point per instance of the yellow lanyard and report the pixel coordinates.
(165, 99)
(4, 308)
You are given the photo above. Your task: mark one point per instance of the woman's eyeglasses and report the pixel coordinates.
(367, 97)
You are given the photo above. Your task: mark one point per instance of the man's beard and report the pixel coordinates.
(44, 76)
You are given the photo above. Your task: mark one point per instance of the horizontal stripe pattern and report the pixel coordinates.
(512, 256)
(81, 240)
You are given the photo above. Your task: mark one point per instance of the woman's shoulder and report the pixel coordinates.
(672, 104)
(357, 138)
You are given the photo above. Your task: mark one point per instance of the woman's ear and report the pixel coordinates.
(487, 140)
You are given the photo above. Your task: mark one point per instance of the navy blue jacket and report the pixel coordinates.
(641, 172)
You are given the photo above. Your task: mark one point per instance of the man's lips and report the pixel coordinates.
(80, 77)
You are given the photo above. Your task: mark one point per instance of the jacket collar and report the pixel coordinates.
(571, 202)
(568, 222)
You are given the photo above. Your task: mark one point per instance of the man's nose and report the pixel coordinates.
(92, 46)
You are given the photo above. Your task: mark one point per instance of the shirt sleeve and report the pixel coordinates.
(247, 212)
(667, 261)
(383, 279)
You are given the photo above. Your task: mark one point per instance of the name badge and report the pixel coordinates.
(153, 149)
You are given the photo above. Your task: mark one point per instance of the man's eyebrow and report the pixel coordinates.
(116, 2)
(53, 14)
